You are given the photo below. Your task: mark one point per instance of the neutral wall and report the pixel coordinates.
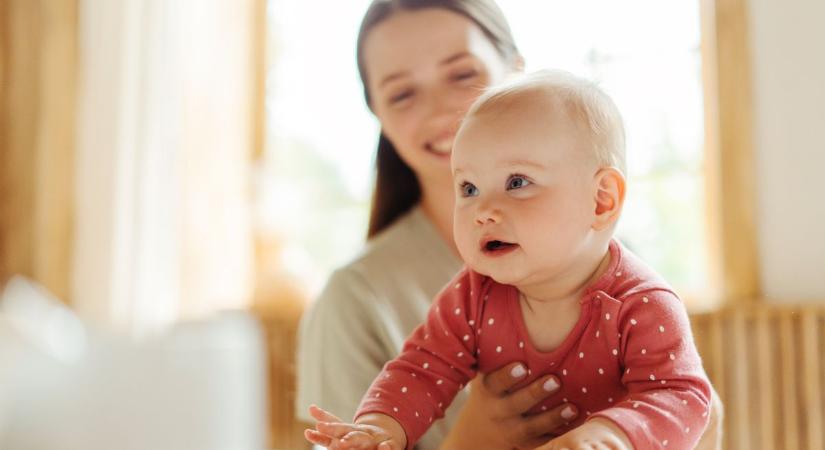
(788, 45)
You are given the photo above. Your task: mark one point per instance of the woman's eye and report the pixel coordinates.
(468, 190)
(465, 75)
(517, 182)
(398, 98)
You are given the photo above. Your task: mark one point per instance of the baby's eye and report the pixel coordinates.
(517, 182)
(468, 190)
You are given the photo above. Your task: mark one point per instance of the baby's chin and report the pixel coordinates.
(506, 278)
(478, 268)
(499, 276)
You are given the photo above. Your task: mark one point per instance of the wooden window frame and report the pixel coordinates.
(38, 89)
(729, 153)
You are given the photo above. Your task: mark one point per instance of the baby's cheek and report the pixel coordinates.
(464, 240)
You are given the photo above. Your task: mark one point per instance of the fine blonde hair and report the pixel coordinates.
(584, 102)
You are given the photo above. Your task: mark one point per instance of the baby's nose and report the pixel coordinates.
(488, 214)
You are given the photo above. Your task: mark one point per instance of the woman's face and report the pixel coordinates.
(424, 69)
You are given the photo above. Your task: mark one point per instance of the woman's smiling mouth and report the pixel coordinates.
(441, 146)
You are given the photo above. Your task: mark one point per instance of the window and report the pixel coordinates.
(314, 184)
(317, 177)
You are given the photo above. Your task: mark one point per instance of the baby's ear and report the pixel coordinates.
(610, 190)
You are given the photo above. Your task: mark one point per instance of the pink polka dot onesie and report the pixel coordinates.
(630, 357)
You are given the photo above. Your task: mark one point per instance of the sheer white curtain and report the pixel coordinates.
(162, 228)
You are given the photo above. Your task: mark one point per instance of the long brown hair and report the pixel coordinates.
(396, 186)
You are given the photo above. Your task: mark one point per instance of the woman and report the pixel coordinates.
(422, 64)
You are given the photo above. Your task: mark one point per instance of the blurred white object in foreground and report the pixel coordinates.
(200, 385)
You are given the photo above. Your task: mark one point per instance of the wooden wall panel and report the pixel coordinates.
(766, 364)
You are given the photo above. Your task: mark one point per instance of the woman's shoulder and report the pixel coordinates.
(406, 263)
(411, 230)
(354, 284)
(345, 289)
(410, 248)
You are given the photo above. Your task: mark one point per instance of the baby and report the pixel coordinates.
(539, 174)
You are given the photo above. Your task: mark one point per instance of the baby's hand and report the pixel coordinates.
(594, 434)
(371, 432)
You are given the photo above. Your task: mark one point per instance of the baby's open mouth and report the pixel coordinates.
(495, 246)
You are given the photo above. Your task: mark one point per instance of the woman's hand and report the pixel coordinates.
(493, 416)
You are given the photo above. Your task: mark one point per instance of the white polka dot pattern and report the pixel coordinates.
(635, 342)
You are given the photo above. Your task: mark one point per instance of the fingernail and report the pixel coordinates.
(518, 371)
(568, 413)
(551, 385)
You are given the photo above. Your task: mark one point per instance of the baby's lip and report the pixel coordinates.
(491, 244)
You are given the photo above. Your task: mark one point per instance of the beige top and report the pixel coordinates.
(365, 312)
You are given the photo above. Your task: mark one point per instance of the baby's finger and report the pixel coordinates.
(317, 438)
(336, 430)
(359, 439)
(389, 445)
(356, 440)
(322, 415)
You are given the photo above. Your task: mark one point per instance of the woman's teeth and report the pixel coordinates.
(442, 147)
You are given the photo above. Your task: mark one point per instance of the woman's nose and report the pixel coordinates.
(446, 107)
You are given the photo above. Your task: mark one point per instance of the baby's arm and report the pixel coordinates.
(668, 391)
(369, 432)
(595, 433)
(437, 360)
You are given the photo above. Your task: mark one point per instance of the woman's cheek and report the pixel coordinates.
(408, 136)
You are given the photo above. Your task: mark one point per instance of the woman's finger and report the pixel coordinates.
(537, 444)
(548, 445)
(322, 415)
(500, 381)
(524, 399)
(536, 427)
(317, 438)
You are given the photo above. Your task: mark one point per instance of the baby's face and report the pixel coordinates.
(525, 195)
